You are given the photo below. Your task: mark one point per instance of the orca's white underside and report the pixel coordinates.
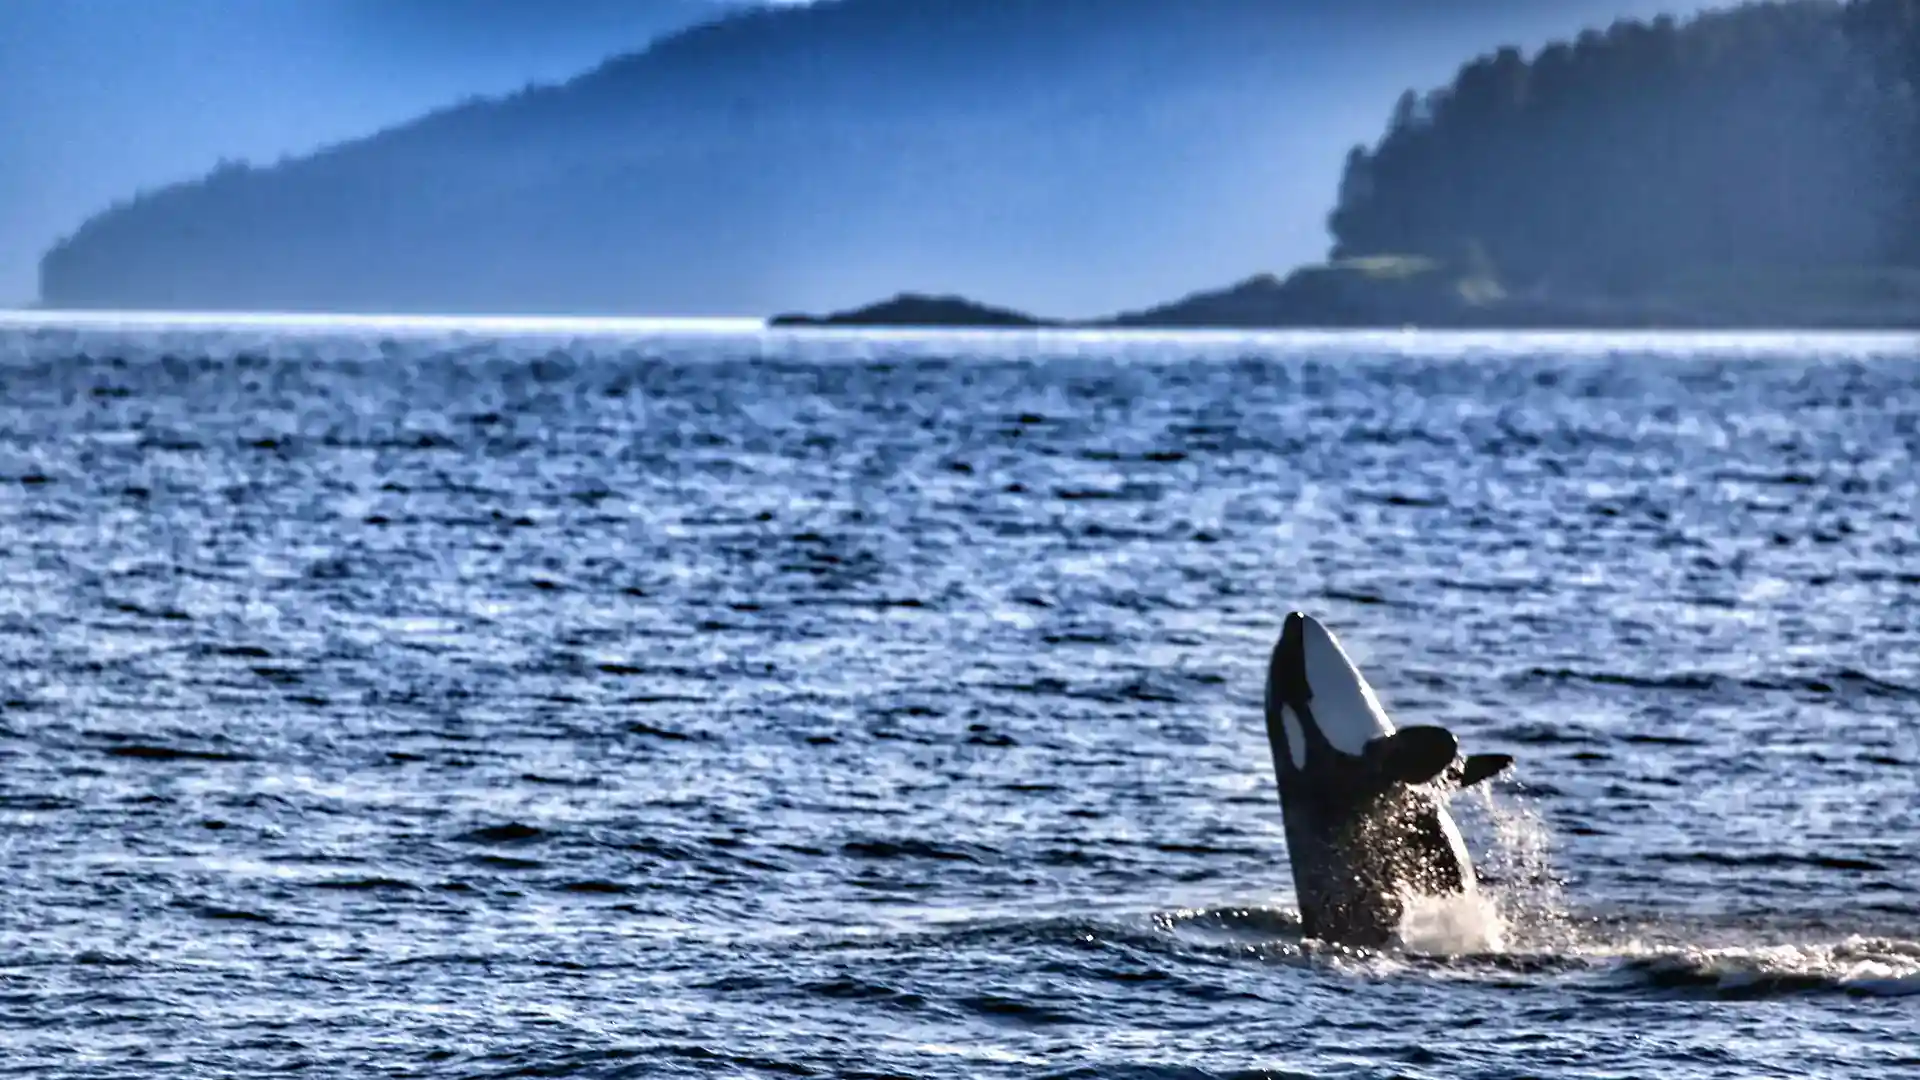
(1344, 705)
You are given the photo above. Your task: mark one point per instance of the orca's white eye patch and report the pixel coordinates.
(1296, 737)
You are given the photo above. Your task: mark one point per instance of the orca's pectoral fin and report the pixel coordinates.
(1480, 767)
(1414, 755)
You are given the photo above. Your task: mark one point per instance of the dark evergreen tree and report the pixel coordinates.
(1779, 134)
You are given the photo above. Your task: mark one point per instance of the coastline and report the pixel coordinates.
(1379, 294)
(1408, 293)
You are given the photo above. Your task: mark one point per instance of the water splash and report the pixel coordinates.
(1462, 924)
(1520, 905)
(1515, 862)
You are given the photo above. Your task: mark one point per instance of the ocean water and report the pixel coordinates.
(418, 699)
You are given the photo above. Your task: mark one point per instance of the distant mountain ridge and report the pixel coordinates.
(1085, 155)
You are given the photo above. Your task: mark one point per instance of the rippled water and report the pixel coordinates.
(642, 703)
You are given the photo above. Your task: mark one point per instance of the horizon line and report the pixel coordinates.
(1496, 337)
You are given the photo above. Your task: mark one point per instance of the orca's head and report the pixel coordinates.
(1325, 723)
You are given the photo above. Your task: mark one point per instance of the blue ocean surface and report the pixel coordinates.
(430, 699)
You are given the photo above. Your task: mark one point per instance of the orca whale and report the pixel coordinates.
(1364, 803)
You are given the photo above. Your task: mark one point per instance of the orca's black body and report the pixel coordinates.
(1366, 822)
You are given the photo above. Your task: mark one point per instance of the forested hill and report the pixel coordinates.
(1074, 153)
(1759, 143)
(1076, 156)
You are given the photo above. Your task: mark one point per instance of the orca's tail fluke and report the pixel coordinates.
(1479, 767)
(1424, 754)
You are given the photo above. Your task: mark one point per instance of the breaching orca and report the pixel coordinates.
(1364, 803)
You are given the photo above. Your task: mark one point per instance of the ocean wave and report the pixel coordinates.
(1465, 941)
(1837, 681)
(1859, 966)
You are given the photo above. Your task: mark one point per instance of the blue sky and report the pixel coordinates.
(100, 99)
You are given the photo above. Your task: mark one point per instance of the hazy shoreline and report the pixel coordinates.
(1336, 296)
(108, 321)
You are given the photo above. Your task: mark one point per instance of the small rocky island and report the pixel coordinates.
(915, 309)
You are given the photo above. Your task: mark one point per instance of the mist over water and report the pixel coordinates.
(482, 701)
